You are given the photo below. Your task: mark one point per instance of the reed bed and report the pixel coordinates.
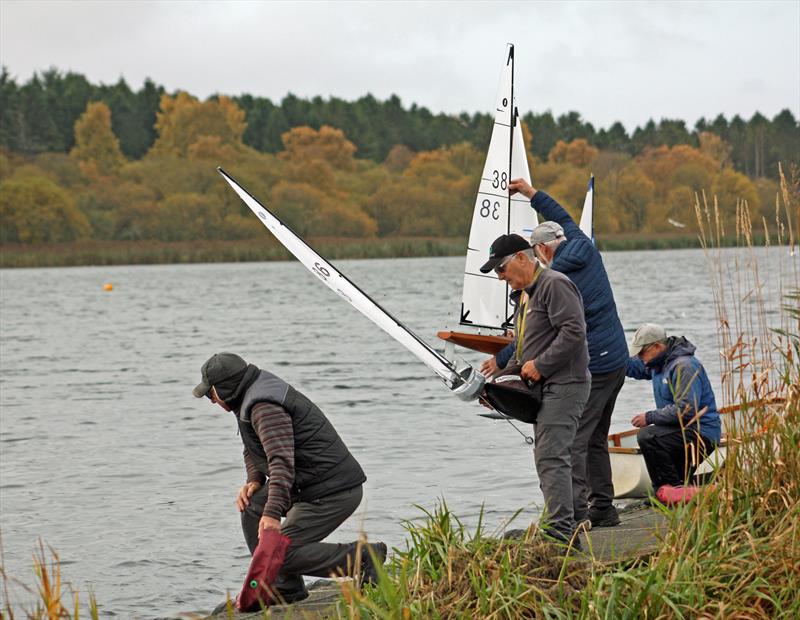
(259, 250)
(250, 250)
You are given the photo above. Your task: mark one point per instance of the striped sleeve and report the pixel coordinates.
(274, 428)
(253, 475)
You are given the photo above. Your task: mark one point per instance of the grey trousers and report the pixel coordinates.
(554, 433)
(306, 524)
(591, 466)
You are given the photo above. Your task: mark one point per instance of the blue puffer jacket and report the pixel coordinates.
(681, 388)
(579, 260)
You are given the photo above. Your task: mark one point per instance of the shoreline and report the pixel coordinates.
(106, 253)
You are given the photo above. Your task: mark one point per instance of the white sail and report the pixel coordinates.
(343, 287)
(485, 298)
(587, 217)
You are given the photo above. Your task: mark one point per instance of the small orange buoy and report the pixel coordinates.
(108, 287)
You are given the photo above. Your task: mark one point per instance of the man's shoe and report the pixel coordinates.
(607, 517)
(369, 567)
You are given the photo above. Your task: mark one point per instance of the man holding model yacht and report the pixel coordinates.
(560, 244)
(551, 348)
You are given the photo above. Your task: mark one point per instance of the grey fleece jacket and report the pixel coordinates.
(555, 329)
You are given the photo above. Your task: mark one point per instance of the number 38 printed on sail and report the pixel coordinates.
(490, 209)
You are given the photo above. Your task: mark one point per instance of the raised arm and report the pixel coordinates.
(548, 208)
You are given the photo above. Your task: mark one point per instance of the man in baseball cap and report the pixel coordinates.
(301, 478)
(549, 347)
(686, 419)
(560, 244)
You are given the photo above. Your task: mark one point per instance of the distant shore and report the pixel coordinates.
(87, 253)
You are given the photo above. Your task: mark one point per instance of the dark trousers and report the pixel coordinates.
(306, 524)
(554, 433)
(591, 466)
(672, 454)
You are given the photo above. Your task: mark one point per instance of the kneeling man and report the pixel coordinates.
(685, 428)
(297, 467)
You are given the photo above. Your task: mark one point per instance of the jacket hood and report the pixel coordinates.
(233, 390)
(677, 346)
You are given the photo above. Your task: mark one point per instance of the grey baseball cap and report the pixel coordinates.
(218, 369)
(645, 335)
(546, 231)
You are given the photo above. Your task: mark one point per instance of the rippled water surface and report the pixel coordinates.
(106, 456)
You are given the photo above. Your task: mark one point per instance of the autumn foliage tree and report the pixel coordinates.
(34, 209)
(96, 147)
(183, 120)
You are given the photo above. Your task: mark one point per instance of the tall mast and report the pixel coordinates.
(511, 125)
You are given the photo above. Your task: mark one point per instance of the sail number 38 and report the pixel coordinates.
(499, 180)
(490, 209)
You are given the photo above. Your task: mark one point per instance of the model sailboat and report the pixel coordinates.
(465, 382)
(485, 305)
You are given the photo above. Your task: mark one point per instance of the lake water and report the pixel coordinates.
(106, 456)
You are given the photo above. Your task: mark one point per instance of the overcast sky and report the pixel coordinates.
(609, 61)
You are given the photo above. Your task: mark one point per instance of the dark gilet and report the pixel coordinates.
(323, 464)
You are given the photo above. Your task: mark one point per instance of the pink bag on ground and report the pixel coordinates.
(264, 568)
(670, 495)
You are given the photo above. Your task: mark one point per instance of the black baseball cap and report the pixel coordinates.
(504, 245)
(220, 368)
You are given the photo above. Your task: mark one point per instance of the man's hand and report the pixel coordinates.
(489, 367)
(639, 420)
(245, 493)
(268, 523)
(521, 186)
(529, 371)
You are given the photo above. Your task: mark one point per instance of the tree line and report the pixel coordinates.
(91, 187)
(39, 116)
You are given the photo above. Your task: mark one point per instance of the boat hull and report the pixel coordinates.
(485, 343)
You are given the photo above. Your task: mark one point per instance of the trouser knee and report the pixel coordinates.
(646, 437)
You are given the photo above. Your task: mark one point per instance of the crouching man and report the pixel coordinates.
(685, 428)
(297, 467)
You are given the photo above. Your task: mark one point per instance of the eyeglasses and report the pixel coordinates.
(501, 268)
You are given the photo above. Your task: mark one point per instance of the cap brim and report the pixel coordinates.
(201, 390)
(491, 264)
(634, 350)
